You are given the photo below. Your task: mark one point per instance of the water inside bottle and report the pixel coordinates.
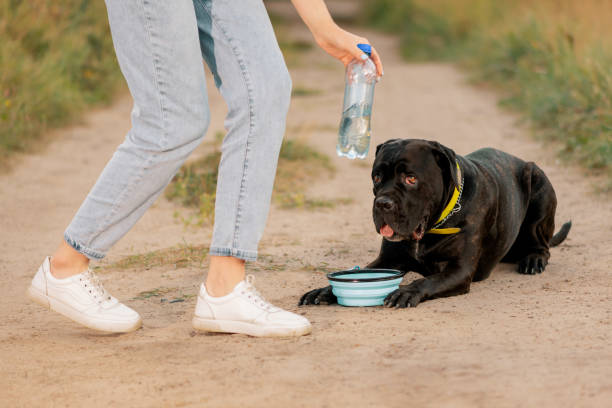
(354, 134)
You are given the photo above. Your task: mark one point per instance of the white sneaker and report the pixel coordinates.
(83, 299)
(245, 311)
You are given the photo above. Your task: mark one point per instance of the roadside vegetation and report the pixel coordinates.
(552, 59)
(181, 256)
(195, 184)
(56, 59)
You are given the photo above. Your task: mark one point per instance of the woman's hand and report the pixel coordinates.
(342, 45)
(335, 41)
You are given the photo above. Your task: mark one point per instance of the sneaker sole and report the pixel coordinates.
(67, 311)
(232, 326)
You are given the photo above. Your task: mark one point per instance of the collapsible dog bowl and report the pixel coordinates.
(364, 287)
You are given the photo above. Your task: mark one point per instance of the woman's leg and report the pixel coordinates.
(157, 47)
(239, 45)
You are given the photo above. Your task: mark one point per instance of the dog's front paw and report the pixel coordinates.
(406, 296)
(318, 296)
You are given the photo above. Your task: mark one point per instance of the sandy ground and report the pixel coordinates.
(514, 340)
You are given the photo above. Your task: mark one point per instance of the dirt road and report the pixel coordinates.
(513, 341)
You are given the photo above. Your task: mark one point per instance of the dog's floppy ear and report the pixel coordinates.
(378, 148)
(384, 143)
(447, 161)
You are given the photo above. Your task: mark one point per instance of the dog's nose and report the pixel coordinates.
(384, 203)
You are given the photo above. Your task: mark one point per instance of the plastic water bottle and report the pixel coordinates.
(354, 134)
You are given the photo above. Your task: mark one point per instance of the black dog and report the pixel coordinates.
(452, 218)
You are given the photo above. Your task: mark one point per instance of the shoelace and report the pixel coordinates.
(254, 295)
(92, 283)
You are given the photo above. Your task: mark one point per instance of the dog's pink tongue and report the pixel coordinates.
(386, 231)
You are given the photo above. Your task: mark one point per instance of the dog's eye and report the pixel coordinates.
(411, 180)
(377, 179)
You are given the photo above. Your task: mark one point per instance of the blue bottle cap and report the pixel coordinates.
(367, 48)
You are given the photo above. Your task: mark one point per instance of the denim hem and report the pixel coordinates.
(237, 253)
(88, 252)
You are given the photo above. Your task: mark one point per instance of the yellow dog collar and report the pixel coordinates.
(449, 208)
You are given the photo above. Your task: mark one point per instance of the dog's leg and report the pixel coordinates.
(530, 249)
(452, 281)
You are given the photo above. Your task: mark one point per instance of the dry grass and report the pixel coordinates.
(181, 256)
(56, 59)
(586, 22)
(298, 166)
(552, 59)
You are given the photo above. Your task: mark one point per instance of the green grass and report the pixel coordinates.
(170, 256)
(56, 59)
(294, 46)
(195, 184)
(548, 60)
(293, 49)
(299, 200)
(179, 296)
(298, 151)
(299, 90)
(298, 166)
(181, 256)
(147, 294)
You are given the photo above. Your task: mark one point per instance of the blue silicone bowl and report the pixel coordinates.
(364, 287)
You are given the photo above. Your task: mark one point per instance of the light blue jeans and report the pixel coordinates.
(159, 46)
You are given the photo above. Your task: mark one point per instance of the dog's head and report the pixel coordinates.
(413, 180)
